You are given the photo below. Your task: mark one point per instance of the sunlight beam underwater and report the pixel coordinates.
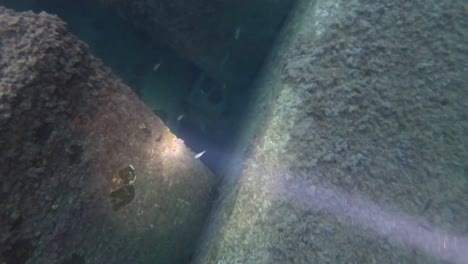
(405, 229)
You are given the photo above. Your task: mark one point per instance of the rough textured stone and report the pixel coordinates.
(362, 154)
(88, 173)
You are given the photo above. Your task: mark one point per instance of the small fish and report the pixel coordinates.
(156, 67)
(180, 117)
(237, 33)
(199, 154)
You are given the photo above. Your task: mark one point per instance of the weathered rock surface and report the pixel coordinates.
(363, 154)
(87, 173)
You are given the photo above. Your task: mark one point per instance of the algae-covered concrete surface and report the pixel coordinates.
(362, 148)
(88, 174)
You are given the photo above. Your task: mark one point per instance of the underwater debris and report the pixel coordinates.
(144, 129)
(180, 117)
(199, 154)
(128, 174)
(122, 197)
(122, 187)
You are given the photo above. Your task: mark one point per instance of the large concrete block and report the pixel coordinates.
(87, 173)
(226, 39)
(362, 155)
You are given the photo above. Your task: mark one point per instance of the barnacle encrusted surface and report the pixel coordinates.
(68, 127)
(362, 154)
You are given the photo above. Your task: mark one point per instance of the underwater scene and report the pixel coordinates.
(233, 132)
